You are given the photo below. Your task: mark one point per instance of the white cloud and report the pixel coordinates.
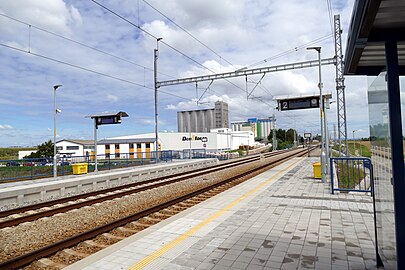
(112, 98)
(5, 127)
(241, 32)
(52, 15)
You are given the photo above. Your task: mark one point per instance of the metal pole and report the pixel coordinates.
(95, 145)
(274, 133)
(55, 168)
(322, 112)
(354, 143)
(156, 53)
(323, 154)
(326, 132)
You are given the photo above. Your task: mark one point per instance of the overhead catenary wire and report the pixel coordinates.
(300, 47)
(87, 69)
(330, 12)
(78, 43)
(160, 41)
(188, 33)
(181, 53)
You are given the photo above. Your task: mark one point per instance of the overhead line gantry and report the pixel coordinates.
(247, 72)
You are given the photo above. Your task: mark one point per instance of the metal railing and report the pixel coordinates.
(34, 168)
(351, 174)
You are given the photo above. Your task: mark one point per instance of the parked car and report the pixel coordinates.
(13, 163)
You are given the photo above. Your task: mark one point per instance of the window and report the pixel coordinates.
(107, 147)
(107, 155)
(59, 147)
(117, 146)
(138, 145)
(117, 155)
(148, 145)
(131, 145)
(72, 147)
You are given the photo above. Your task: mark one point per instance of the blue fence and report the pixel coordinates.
(351, 174)
(34, 168)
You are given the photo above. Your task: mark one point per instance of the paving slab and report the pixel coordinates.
(280, 219)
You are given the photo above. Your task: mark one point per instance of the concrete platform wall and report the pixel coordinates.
(50, 189)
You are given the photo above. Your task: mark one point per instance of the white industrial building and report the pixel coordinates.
(68, 148)
(142, 145)
(216, 140)
(260, 127)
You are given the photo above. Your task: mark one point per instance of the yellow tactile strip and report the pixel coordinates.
(155, 255)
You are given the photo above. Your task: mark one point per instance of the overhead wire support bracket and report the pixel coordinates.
(247, 72)
(264, 74)
(206, 89)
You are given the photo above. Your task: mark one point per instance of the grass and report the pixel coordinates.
(349, 175)
(357, 148)
(11, 153)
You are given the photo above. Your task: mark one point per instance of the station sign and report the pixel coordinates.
(107, 120)
(286, 103)
(298, 103)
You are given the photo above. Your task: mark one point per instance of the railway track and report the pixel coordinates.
(33, 212)
(113, 231)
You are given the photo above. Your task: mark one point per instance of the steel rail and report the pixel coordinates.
(48, 250)
(135, 188)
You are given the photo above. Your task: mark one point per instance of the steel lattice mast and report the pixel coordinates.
(340, 89)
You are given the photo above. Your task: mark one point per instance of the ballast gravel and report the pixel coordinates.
(29, 236)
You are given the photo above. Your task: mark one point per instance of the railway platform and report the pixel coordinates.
(280, 219)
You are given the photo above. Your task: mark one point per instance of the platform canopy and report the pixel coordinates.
(373, 22)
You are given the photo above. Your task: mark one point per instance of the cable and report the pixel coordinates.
(88, 70)
(80, 43)
(330, 12)
(149, 34)
(196, 39)
(161, 41)
(291, 50)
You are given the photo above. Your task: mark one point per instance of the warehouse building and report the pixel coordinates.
(204, 120)
(143, 145)
(68, 148)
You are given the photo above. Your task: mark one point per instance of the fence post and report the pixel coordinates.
(32, 165)
(331, 176)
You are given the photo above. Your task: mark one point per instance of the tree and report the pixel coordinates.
(45, 150)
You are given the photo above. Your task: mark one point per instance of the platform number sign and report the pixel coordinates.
(284, 105)
(298, 103)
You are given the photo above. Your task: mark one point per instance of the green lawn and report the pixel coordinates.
(11, 153)
(349, 175)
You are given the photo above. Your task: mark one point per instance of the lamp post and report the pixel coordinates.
(322, 115)
(354, 142)
(55, 111)
(156, 55)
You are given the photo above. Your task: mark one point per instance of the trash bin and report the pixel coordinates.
(79, 168)
(317, 170)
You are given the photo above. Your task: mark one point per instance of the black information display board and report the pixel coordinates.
(299, 103)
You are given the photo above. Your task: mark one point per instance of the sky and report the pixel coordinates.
(104, 63)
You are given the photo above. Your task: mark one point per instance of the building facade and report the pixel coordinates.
(204, 120)
(261, 128)
(142, 145)
(68, 148)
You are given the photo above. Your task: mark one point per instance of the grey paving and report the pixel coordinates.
(294, 224)
(281, 219)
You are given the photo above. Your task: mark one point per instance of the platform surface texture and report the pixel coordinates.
(280, 219)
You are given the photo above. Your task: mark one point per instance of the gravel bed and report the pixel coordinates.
(28, 236)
